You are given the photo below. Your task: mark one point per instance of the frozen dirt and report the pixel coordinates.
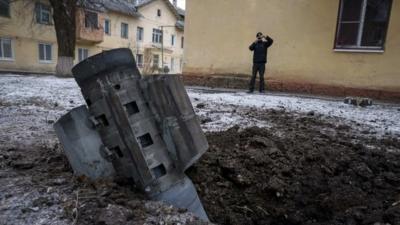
(273, 159)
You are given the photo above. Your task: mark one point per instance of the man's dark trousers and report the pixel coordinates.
(257, 68)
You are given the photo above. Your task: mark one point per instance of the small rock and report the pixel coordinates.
(206, 120)
(311, 113)
(71, 101)
(200, 105)
(22, 165)
(50, 121)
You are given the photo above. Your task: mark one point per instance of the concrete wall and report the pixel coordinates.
(26, 35)
(218, 34)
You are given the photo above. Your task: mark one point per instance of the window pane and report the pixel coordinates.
(41, 51)
(347, 34)
(7, 48)
(48, 52)
(1, 48)
(107, 26)
(351, 10)
(377, 10)
(86, 53)
(376, 20)
(5, 8)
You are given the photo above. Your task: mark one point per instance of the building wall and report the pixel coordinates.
(304, 33)
(149, 21)
(26, 35)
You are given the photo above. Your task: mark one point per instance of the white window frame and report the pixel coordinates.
(358, 47)
(2, 58)
(43, 11)
(109, 26)
(81, 54)
(45, 56)
(157, 36)
(127, 30)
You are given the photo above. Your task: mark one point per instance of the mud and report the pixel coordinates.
(302, 170)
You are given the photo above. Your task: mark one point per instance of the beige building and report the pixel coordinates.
(335, 47)
(28, 41)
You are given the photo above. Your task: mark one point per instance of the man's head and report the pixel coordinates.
(259, 36)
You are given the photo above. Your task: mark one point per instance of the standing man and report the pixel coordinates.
(260, 49)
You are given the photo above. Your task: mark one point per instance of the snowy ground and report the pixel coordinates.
(29, 106)
(46, 98)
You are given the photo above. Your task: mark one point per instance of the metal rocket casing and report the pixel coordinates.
(148, 126)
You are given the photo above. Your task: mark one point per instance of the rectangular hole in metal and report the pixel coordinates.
(132, 108)
(159, 171)
(118, 151)
(102, 120)
(145, 140)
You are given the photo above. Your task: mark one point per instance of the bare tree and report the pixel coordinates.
(65, 26)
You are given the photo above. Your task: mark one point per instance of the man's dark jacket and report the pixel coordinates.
(260, 49)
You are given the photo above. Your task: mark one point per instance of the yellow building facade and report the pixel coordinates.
(306, 53)
(28, 41)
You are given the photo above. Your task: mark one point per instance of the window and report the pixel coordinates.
(182, 41)
(107, 26)
(172, 40)
(157, 36)
(139, 60)
(139, 34)
(362, 24)
(156, 60)
(43, 14)
(158, 12)
(83, 53)
(91, 20)
(45, 52)
(172, 64)
(124, 30)
(6, 51)
(5, 8)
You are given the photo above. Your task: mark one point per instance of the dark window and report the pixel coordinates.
(172, 40)
(362, 24)
(5, 8)
(107, 26)
(157, 36)
(45, 52)
(43, 13)
(139, 60)
(6, 51)
(182, 41)
(156, 60)
(124, 30)
(83, 53)
(91, 20)
(158, 12)
(139, 34)
(145, 140)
